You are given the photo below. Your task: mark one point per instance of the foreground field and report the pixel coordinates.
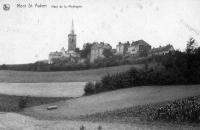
(184, 111)
(13, 121)
(69, 111)
(64, 76)
(113, 100)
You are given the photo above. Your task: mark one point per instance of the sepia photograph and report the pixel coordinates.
(99, 65)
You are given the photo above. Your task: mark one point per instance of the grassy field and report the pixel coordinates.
(11, 103)
(114, 100)
(14, 121)
(63, 76)
(58, 89)
(138, 113)
(93, 104)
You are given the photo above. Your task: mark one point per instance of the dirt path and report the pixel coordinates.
(113, 100)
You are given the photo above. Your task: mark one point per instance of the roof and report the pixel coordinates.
(55, 53)
(140, 42)
(123, 44)
(164, 48)
(101, 45)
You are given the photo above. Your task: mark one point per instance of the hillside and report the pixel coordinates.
(63, 76)
(109, 101)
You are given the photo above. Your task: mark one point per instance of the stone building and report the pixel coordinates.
(139, 48)
(162, 50)
(97, 50)
(69, 54)
(122, 48)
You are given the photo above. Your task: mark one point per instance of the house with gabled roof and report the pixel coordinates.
(139, 48)
(122, 48)
(162, 50)
(97, 50)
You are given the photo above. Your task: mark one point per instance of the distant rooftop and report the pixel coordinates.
(162, 48)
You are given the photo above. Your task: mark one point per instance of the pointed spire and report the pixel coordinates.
(72, 29)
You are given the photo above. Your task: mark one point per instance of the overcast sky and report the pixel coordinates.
(29, 34)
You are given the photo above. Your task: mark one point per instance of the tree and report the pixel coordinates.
(23, 102)
(192, 58)
(107, 53)
(191, 45)
(86, 50)
(77, 50)
(4, 67)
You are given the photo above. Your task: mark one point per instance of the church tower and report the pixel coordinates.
(72, 39)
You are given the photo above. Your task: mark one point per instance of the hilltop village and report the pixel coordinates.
(94, 51)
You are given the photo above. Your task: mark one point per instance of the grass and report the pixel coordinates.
(57, 89)
(138, 113)
(11, 103)
(113, 100)
(63, 76)
(138, 98)
(16, 121)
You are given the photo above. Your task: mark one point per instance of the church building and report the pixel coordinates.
(70, 55)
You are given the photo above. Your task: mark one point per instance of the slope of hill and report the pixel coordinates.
(109, 101)
(63, 76)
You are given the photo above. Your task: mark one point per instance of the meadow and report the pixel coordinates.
(53, 88)
(10, 103)
(56, 89)
(61, 76)
(122, 117)
(185, 110)
(113, 100)
(46, 87)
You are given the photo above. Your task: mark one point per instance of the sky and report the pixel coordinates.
(29, 34)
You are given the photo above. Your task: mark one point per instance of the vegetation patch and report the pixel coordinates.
(181, 110)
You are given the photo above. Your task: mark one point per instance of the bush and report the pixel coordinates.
(99, 87)
(89, 88)
(22, 102)
(113, 82)
(180, 110)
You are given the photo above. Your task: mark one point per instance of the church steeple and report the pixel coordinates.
(72, 39)
(72, 28)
